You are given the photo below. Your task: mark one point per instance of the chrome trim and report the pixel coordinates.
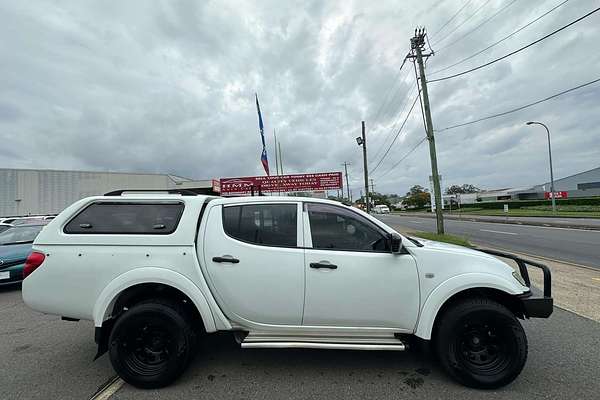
(314, 345)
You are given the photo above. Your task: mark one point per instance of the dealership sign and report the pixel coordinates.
(281, 183)
(557, 195)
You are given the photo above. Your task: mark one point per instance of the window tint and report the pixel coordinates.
(336, 228)
(123, 218)
(266, 224)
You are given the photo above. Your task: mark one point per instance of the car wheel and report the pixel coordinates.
(151, 344)
(480, 343)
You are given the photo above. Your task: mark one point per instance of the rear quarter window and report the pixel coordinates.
(127, 218)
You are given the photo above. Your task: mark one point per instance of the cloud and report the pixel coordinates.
(169, 87)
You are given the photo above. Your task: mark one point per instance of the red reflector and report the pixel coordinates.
(34, 260)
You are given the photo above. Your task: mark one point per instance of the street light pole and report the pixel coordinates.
(552, 193)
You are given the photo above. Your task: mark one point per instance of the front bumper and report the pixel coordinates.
(534, 304)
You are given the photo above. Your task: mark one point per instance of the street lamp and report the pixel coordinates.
(551, 171)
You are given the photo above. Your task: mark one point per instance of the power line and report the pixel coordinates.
(386, 97)
(452, 18)
(518, 50)
(499, 41)
(485, 21)
(397, 134)
(462, 23)
(402, 108)
(403, 157)
(521, 107)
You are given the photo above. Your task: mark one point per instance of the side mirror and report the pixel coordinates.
(395, 242)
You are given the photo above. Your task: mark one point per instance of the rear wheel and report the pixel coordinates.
(481, 344)
(151, 344)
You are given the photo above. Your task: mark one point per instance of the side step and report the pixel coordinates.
(256, 340)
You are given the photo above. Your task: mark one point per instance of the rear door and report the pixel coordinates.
(352, 278)
(255, 261)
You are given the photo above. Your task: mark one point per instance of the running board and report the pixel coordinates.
(262, 341)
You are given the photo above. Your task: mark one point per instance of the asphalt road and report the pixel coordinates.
(572, 245)
(565, 221)
(45, 358)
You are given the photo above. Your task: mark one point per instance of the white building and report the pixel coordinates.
(34, 191)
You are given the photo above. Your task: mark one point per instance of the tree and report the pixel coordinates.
(417, 197)
(465, 188)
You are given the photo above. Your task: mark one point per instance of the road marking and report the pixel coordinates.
(596, 279)
(110, 388)
(504, 233)
(513, 224)
(416, 222)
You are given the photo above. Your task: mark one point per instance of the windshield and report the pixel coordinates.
(20, 234)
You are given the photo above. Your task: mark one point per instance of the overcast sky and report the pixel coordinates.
(168, 87)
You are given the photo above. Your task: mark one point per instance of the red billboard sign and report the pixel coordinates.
(557, 195)
(282, 183)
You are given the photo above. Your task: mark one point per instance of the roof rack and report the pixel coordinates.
(183, 192)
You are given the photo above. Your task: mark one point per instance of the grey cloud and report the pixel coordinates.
(169, 87)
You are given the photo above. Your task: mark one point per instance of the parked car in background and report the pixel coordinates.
(30, 221)
(4, 227)
(381, 209)
(15, 246)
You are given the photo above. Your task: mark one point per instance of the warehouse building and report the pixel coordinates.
(583, 184)
(38, 191)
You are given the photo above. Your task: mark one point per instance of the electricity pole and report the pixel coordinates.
(372, 186)
(345, 164)
(417, 45)
(362, 141)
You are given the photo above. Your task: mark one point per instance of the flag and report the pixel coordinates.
(263, 157)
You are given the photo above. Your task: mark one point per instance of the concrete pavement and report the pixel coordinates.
(43, 357)
(564, 357)
(46, 358)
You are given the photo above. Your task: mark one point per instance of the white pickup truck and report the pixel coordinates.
(158, 271)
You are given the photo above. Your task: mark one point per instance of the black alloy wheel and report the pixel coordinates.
(481, 344)
(151, 344)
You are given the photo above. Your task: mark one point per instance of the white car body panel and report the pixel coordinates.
(266, 286)
(271, 289)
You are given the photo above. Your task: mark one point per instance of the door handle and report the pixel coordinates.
(223, 259)
(323, 264)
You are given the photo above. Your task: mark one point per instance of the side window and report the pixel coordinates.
(336, 228)
(265, 224)
(127, 218)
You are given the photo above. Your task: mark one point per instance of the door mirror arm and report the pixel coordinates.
(395, 243)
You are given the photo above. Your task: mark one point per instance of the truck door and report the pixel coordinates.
(352, 278)
(255, 261)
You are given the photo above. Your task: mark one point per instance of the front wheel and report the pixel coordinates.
(481, 344)
(151, 344)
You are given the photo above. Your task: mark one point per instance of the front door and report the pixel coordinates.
(255, 261)
(352, 278)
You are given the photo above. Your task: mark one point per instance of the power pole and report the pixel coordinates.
(345, 164)
(417, 45)
(362, 141)
(372, 186)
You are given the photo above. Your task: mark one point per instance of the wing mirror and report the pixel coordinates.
(395, 242)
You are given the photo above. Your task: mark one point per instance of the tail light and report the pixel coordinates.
(34, 260)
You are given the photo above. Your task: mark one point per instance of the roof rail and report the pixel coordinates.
(183, 192)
